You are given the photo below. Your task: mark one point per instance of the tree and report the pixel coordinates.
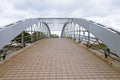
(27, 38)
(54, 36)
(38, 35)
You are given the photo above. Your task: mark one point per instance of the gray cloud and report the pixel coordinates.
(115, 4)
(103, 11)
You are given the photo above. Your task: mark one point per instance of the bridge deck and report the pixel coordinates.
(56, 59)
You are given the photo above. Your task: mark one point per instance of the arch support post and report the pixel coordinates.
(74, 31)
(79, 34)
(31, 35)
(88, 40)
(23, 42)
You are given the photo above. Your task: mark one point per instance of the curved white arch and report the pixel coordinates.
(9, 32)
(108, 36)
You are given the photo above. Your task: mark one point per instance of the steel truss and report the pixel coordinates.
(80, 34)
(76, 28)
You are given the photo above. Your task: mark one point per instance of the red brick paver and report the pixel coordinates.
(56, 59)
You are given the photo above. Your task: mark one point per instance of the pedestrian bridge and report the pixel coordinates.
(71, 27)
(58, 58)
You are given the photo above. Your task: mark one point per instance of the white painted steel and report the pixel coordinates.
(109, 37)
(104, 34)
(10, 32)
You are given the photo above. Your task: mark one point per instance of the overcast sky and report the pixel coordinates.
(106, 12)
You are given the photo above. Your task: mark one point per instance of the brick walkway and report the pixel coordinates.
(56, 59)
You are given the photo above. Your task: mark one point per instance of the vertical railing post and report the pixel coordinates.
(88, 42)
(23, 42)
(74, 31)
(79, 33)
(37, 32)
(31, 35)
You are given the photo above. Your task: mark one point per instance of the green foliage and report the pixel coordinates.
(54, 36)
(38, 35)
(27, 38)
(99, 46)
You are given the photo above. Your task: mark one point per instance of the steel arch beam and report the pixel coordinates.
(109, 37)
(47, 28)
(9, 32)
(62, 33)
